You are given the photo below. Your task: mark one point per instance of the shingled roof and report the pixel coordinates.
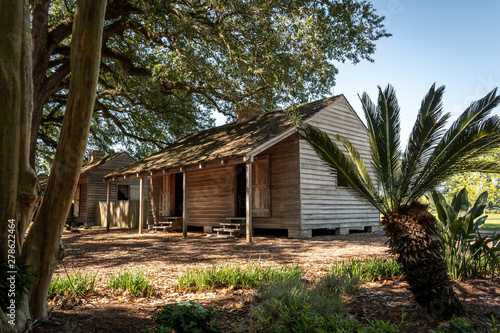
(230, 140)
(87, 166)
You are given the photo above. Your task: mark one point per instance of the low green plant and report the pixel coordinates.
(494, 324)
(73, 284)
(370, 270)
(229, 275)
(324, 297)
(456, 326)
(298, 317)
(185, 317)
(135, 282)
(467, 253)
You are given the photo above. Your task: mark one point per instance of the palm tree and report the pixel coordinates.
(401, 178)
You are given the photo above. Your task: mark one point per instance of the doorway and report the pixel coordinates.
(241, 191)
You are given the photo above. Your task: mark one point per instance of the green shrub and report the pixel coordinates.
(456, 326)
(297, 317)
(467, 253)
(134, 282)
(494, 324)
(224, 276)
(369, 270)
(184, 317)
(73, 284)
(324, 298)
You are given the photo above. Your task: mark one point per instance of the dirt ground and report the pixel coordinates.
(165, 256)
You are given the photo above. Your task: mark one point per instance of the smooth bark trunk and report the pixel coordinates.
(18, 192)
(44, 239)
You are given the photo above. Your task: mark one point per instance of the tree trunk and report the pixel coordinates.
(18, 192)
(41, 57)
(44, 239)
(413, 238)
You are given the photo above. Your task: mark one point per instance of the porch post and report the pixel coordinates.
(184, 205)
(249, 226)
(141, 204)
(108, 208)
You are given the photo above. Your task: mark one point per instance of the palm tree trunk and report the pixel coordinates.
(413, 238)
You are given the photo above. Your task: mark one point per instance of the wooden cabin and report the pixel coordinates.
(211, 178)
(91, 188)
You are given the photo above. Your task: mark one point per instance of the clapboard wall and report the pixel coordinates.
(210, 198)
(323, 203)
(285, 190)
(97, 189)
(82, 216)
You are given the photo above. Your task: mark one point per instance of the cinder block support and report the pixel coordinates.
(341, 231)
(370, 229)
(295, 233)
(208, 229)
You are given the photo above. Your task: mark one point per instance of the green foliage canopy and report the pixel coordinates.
(167, 65)
(476, 183)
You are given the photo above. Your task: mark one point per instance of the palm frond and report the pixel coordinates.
(356, 158)
(471, 135)
(474, 115)
(384, 128)
(427, 131)
(336, 161)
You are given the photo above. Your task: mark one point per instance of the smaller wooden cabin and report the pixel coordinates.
(257, 173)
(91, 188)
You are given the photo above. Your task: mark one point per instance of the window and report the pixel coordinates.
(341, 180)
(123, 192)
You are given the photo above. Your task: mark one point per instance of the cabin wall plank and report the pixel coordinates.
(210, 196)
(97, 188)
(285, 182)
(323, 204)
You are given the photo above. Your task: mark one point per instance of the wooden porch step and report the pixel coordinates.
(164, 223)
(161, 227)
(226, 229)
(232, 224)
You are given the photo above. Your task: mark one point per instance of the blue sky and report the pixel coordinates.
(452, 43)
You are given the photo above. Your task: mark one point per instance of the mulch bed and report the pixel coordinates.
(165, 256)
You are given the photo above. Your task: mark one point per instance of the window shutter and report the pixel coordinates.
(261, 187)
(76, 202)
(166, 196)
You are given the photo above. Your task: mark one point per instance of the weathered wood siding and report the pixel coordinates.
(323, 204)
(154, 199)
(97, 188)
(210, 198)
(124, 214)
(285, 182)
(82, 217)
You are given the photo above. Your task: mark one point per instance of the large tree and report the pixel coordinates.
(166, 65)
(22, 256)
(402, 177)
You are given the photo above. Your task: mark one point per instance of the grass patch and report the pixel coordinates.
(491, 223)
(229, 275)
(73, 284)
(376, 269)
(135, 282)
(296, 306)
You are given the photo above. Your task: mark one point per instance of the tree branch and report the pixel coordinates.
(107, 114)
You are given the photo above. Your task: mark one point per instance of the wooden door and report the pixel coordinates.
(261, 187)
